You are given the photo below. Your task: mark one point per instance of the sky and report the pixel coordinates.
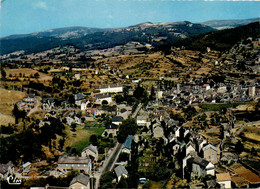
(27, 16)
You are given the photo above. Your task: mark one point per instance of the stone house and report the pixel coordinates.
(80, 182)
(6, 170)
(198, 167)
(117, 120)
(103, 99)
(210, 153)
(48, 103)
(127, 144)
(224, 180)
(111, 129)
(89, 151)
(190, 147)
(78, 98)
(66, 164)
(120, 171)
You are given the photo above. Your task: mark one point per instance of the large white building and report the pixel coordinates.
(109, 89)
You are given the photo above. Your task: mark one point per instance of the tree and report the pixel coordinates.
(106, 180)
(16, 113)
(122, 183)
(140, 93)
(61, 143)
(128, 127)
(119, 98)
(3, 73)
(36, 75)
(239, 147)
(73, 127)
(253, 151)
(152, 95)
(93, 140)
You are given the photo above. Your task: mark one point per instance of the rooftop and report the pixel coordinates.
(128, 141)
(120, 170)
(223, 177)
(73, 160)
(83, 179)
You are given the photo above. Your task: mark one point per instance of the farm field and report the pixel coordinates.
(7, 100)
(27, 73)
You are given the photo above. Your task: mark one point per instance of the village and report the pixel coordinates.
(180, 132)
(131, 117)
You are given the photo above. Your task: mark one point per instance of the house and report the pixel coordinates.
(103, 99)
(78, 98)
(48, 103)
(6, 170)
(84, 105)
(117, 120)
(142, 120)
(198, 167)
(71, 120)
(224, 180)
(158, 132)
(210, 153)
(90, 151)
(127, 144)
(27, 103)
(80, 182)
(206, 86)
(77, 76)
(66, 164)
(190, 147)
(50, 114)
(120, 171)
(26, 167)
(42, 123)
(30, 98)
(111, 129)
(111, 89)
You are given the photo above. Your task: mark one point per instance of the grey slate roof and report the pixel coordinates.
(117, 119)
(197, 160)
(83, 179)
(128, 142)
(119, 170)
(209, 146)
(79, 96)
(112, 126)
(92, 148)
(73, 160)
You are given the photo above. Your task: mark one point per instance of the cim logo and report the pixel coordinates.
(12, 180)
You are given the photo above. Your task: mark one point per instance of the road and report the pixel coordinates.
(109, 163)
(137, 110)
(35, 108)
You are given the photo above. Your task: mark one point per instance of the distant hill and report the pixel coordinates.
(94, 38)
(222, 39)
(224, 24)
(65, 32)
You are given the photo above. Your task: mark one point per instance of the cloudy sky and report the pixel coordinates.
(26, 16)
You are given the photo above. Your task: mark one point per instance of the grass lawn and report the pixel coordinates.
(80, 138)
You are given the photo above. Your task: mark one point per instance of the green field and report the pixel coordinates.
(83, 142)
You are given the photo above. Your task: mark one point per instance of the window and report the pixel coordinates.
(212, 153)
(209, 157)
